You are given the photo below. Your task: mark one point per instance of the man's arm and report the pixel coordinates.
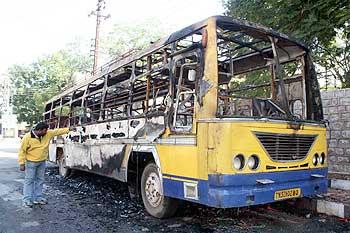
(60, 131)
(22, 153)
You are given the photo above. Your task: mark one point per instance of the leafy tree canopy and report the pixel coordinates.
(322, 24)
(37, 82)
(132, 37)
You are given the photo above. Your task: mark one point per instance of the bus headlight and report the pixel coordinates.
(253, 162)
(238, 162)
(315, 159)
(322, 158)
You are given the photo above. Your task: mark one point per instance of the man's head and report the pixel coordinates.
(41, 128)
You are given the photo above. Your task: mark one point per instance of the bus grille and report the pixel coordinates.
(286, 147)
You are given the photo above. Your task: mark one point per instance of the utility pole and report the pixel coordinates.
(101, 5)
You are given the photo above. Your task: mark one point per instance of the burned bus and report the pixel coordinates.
(225, 113)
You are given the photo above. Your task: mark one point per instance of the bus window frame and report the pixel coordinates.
(298, 53)
(198, 65)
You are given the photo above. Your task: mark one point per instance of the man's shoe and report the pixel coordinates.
(41, 201)
(27, 204)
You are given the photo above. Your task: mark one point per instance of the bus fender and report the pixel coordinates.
(148, 149)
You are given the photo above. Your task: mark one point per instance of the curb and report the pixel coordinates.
(325, 207)
(333, 208)
(339, 184)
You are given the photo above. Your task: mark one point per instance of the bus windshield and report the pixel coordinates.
(260, 75)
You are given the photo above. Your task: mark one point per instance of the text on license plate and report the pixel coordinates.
(287, 193)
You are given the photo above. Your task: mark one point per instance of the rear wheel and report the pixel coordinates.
(153, 198)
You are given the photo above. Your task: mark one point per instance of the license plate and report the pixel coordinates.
(287, 193)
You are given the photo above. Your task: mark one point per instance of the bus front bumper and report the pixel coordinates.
(240, 190)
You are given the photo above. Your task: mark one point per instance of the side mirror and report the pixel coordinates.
(191, 75)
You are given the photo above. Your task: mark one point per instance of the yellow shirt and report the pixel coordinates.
(36, 149)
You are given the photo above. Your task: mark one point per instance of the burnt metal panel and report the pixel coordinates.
(105, 159)
(313, 95)
(249, 28)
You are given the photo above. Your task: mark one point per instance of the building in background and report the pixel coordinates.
(8, 121)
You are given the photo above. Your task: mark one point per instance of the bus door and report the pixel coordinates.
(186, 73)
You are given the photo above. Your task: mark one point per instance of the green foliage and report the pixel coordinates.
(336, 57)
(37, 82)
(321, 24)
(130, 37)
(241, 84)
(309, 20)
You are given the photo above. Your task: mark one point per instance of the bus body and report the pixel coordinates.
(224, 112)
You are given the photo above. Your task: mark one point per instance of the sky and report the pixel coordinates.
(30, 29)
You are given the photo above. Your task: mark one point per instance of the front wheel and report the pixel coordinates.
(153, 197)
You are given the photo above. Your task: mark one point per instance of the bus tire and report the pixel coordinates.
(64, 171)
(156, 204)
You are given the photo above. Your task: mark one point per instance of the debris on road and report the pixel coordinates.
(107, 201)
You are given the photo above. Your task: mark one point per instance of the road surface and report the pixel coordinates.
(90, 203)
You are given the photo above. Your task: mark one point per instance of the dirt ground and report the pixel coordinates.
(91, 203)
(108, 203)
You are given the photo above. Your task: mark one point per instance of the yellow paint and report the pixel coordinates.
(192, 161)
(218, 142)
(210, 73)
(179, 179)
(238, 138)
(178, 160)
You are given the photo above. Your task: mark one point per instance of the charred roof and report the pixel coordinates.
(227, 23)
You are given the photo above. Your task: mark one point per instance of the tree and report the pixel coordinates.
(131, 37)
(336, 58)
(37, 82)
(322, 24)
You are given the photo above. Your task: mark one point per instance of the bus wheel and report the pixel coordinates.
(62, 169)
(154, 201)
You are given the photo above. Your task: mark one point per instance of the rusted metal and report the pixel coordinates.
(137, 98)
(258, 29)
(273, 83)
(180, 88)
(279, 76)
(149, 68)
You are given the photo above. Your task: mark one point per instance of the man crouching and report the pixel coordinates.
(32, 159)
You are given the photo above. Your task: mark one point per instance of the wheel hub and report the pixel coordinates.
(153, 190)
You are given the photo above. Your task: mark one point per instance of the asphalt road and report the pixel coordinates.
(90, 203)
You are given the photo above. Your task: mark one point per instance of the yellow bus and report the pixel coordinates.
(224, 112)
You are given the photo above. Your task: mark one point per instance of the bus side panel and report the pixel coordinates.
(104, 159)
(178, 160)
(185, 167)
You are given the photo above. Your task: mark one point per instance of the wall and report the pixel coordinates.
(336, 108)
